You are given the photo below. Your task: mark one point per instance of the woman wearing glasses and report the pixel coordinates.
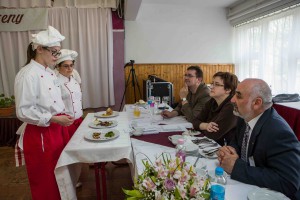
(217, 120)
(70, 88)
(39, 104)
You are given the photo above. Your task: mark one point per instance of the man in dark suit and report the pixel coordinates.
(265, 151)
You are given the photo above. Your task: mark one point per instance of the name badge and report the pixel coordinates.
(251, 161)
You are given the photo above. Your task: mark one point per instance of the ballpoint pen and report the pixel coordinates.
(225, 142)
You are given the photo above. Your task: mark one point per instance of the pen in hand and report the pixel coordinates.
(225, 142)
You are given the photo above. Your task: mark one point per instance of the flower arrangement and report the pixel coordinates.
(169, 179)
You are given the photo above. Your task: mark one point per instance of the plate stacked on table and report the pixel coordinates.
(103, 114)
(265, 194)
(102, 135)
(103, 123)
(207, 147)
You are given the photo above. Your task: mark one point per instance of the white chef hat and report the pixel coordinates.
(49, 38)
(66, 54)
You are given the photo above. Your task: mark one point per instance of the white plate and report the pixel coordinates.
(191, 133)
(89, 135)
(191, 147)
(265, 194)
(102, 114)
(210, 156)
(93, 125)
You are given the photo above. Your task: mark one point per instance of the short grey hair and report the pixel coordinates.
(261, 89)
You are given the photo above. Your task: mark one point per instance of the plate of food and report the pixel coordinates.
(141, 103)
(106, 114)
(103, 124)
(102, 135)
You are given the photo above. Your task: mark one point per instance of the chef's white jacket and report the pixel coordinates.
(38, 94)
(71, 95)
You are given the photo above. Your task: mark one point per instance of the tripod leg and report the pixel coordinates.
(126, 85)
(133, 83)
(137, 84)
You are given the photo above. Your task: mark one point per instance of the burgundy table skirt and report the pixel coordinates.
(8, 129)
(291, 116)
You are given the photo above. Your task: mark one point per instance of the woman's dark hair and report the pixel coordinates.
(230, 81)
(30, 53)
(199, 72)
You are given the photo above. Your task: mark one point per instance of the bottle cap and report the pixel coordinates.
(219, 171)
(180, 141)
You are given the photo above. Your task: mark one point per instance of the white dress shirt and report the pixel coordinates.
(71, 95)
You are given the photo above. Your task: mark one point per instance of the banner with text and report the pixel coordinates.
(23, 19)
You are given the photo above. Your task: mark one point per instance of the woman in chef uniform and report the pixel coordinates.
(39, 104)
(70, 88)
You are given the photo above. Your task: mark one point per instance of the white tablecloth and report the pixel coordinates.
(295, 105)
(80, 150)
(235, 190)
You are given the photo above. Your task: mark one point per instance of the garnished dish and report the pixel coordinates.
(106, 114)
(96, 135)
(141, 102)
(104, 135)
(102, 124)
(110, 134)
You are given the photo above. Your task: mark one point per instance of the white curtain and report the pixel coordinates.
(89, 32)
(269, 49)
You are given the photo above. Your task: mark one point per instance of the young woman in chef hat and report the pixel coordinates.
(39, 104)
(70, 87)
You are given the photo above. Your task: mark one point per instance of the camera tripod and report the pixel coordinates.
(134, 82)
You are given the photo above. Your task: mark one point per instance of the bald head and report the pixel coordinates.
(258, 88)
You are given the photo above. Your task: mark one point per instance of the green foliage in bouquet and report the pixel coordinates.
(169, 179)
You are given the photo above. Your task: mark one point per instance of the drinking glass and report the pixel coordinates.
(157, 100)
(136, 112)
(165, 101)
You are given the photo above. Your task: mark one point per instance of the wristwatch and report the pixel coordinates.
(183, 99)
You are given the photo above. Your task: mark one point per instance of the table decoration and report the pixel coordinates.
(169, 179)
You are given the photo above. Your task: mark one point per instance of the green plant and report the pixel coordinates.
(6, 102)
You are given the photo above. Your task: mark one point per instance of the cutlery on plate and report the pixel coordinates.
(196, 160)
(207, 145)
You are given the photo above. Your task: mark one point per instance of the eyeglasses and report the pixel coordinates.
(216, 85)
(54, 53)
(189, 75)
(68, 66)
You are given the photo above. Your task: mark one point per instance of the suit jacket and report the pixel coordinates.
(276, 154)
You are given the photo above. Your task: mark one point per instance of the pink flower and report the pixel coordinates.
(193, 190)
(169, 184)
(148, 184)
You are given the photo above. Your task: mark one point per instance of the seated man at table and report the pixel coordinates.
(193, 96)
(265, 151)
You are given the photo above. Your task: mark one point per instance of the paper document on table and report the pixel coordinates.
(172, 128)
(177, 120)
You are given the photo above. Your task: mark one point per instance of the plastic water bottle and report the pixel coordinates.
(217, 191)
(180, 149)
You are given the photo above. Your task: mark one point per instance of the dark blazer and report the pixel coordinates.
(276, 153)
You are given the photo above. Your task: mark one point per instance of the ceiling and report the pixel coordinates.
(132, 6)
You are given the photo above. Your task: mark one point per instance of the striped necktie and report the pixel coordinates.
(244, 144)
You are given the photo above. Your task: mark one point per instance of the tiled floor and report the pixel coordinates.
(14, 183)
